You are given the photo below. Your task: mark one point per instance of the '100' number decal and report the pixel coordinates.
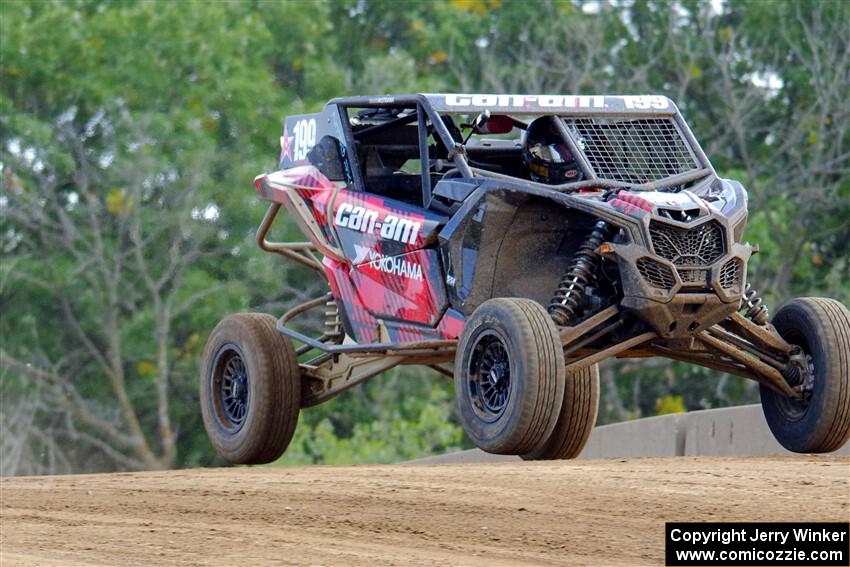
(366, 220)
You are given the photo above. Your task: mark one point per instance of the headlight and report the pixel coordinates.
(729, 198)
(732, 197)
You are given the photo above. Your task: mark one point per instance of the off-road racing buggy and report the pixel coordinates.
(443, 243)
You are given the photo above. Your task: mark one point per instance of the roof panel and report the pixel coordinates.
(553, 104)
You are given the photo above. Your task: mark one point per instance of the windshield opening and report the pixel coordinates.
(614, 152)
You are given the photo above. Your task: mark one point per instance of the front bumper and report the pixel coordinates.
(683, 277)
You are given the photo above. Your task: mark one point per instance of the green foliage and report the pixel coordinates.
(670, 404)
(396, 422)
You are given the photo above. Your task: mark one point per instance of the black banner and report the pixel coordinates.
(763, 544)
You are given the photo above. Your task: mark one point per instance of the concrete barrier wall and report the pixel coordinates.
(735, 431)
(660, 436)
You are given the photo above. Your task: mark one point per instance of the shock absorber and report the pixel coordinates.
(753, 307)
(567, 297)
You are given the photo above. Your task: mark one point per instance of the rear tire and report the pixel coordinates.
(821, 422)
(509, 376)
(576, 418)
(250, 389)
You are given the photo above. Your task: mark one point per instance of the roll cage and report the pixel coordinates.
(576, 118)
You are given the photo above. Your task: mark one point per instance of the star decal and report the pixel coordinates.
(285, 145)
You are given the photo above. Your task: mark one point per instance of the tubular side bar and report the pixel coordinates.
(301, 252)
(423, 346)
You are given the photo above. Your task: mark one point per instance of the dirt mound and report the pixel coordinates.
(609, 512)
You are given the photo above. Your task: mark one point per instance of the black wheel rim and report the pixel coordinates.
(489, 376)
(230, 387)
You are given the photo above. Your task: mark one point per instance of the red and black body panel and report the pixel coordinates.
(381, 259)
(392, 271)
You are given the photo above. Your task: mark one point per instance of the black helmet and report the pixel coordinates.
(546, 154)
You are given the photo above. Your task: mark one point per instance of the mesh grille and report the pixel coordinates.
(731, 274)
(633, 151)
(699, 246)
(658, 275)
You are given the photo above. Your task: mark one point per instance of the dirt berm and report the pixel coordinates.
(603, 512)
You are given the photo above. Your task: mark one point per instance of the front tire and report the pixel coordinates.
(820, 422)
(250, 389)
(576, 418)
(509, 376)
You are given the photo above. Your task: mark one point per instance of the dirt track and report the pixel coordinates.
(577, 513)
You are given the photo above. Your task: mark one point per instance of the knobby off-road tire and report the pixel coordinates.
(509, 376)
(820, 423)
(576, 418)
(250, 389)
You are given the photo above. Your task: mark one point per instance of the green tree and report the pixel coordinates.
(126, 128)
